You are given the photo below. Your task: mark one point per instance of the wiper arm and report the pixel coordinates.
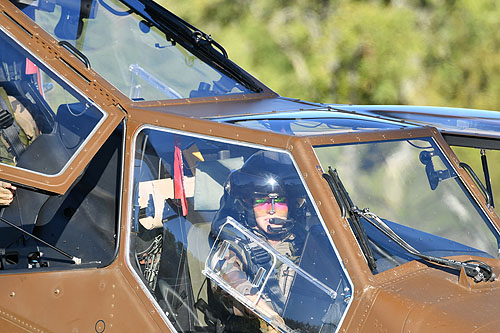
(197, 42)
(478, 270)
(76, 260)
(347, 206)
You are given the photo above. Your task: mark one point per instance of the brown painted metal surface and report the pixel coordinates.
(414, 297)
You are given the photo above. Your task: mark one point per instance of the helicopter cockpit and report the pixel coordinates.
(184, 229)
(197, 244)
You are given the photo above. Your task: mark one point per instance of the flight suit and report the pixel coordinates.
(233, 271)
(20, 134)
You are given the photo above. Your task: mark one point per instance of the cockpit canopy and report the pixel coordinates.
(145, 51)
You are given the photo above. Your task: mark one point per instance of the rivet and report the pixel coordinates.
(12, 294)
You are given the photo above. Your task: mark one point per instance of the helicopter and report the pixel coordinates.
(143, 158)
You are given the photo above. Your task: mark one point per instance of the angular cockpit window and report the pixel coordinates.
(43, 121)
(130, 51)
(226, 234)
(409, 187)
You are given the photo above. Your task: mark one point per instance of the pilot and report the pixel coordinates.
(7, 190)
(262, 197)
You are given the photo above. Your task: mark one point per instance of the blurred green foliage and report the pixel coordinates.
(425, 52)
(414, 52)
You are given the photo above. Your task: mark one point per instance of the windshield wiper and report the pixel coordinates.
(197, 42)
(75, 260)
(478, 270)
(347, 206)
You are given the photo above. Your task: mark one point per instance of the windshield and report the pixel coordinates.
(129, 51)
(412, 187)
(311, 126)
(319, 121)
(478, 122)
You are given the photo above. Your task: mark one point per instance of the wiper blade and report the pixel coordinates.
(197, 42)
(347, 206)
(476, 269)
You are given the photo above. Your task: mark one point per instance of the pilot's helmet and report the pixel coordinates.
(269, 179)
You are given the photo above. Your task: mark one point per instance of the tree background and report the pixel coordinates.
(413, 52)
(416, 52)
